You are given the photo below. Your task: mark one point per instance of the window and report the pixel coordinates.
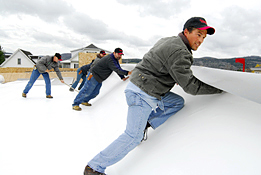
(76, 65)
(66, 65)
(19, 61)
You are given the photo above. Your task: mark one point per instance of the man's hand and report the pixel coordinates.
(124, 79)
(129, 73)
(62, 81)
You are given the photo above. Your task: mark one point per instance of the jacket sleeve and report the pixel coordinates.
(121, 76)
(180, 71)
(115, 66)
(58, 72)
(41, 65)
(86, 68)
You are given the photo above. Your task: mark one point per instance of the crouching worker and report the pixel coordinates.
(43, 66)
(148, 93)
(100, 71)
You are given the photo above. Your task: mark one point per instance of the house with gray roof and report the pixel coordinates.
(20, 58)
(73, 62)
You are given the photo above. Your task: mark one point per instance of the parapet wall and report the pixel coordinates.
(24, 69)
(13, 74)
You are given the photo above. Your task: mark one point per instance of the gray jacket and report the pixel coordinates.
(47, 62)
(168, 63)
(95, 61)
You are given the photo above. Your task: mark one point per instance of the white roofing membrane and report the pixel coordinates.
(212, 134)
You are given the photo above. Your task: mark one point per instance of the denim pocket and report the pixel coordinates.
(133, 99)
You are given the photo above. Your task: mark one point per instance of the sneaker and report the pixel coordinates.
(24, 95)
(71, 89)
(49, 96)
(86, 104)
(77, 108)
(145, 135)
(89, 171)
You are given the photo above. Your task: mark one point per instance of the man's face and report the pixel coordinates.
(55, 59)
(117, 56)
(195, 38)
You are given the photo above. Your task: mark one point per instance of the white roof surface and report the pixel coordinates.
(211, 135)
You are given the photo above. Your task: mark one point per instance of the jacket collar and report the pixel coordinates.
(112, 55)
(185, 40)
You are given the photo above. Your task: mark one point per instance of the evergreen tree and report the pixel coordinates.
(2, 56)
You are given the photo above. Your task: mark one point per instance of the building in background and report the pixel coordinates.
(20, 58)
(73, 62)
(256, 69)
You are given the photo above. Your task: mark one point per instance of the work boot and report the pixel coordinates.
(49, 96)
(89, 171)
(24, 95)
(77, 108)
(86, 104)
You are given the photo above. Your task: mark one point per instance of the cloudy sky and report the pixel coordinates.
(44, 27)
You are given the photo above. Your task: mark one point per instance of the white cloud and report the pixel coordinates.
(47, 10)
(44, 26)
(158, 8)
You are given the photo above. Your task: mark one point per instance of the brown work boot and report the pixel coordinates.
(24, 95)
(49, 96)
(86, 104)
(89, 171)
(77, 108)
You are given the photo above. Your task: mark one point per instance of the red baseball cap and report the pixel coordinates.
(119, 51)
(58, 56)
(102, 52)
(199, 23)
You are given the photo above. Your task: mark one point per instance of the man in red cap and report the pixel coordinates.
(148, 93)
(43, 66)
(99, 72)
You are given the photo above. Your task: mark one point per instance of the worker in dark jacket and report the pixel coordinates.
(98, 73)
(43, 66)
(148, 93)
(82, 72)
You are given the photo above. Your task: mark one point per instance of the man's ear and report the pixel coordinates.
(186, 32)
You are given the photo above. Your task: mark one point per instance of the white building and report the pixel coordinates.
(256, 70)
(73, 62)
(20, 58)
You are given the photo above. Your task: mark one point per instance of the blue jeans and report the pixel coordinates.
(79, 77)
(90, 90)
(34, 76)
(139, 113)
